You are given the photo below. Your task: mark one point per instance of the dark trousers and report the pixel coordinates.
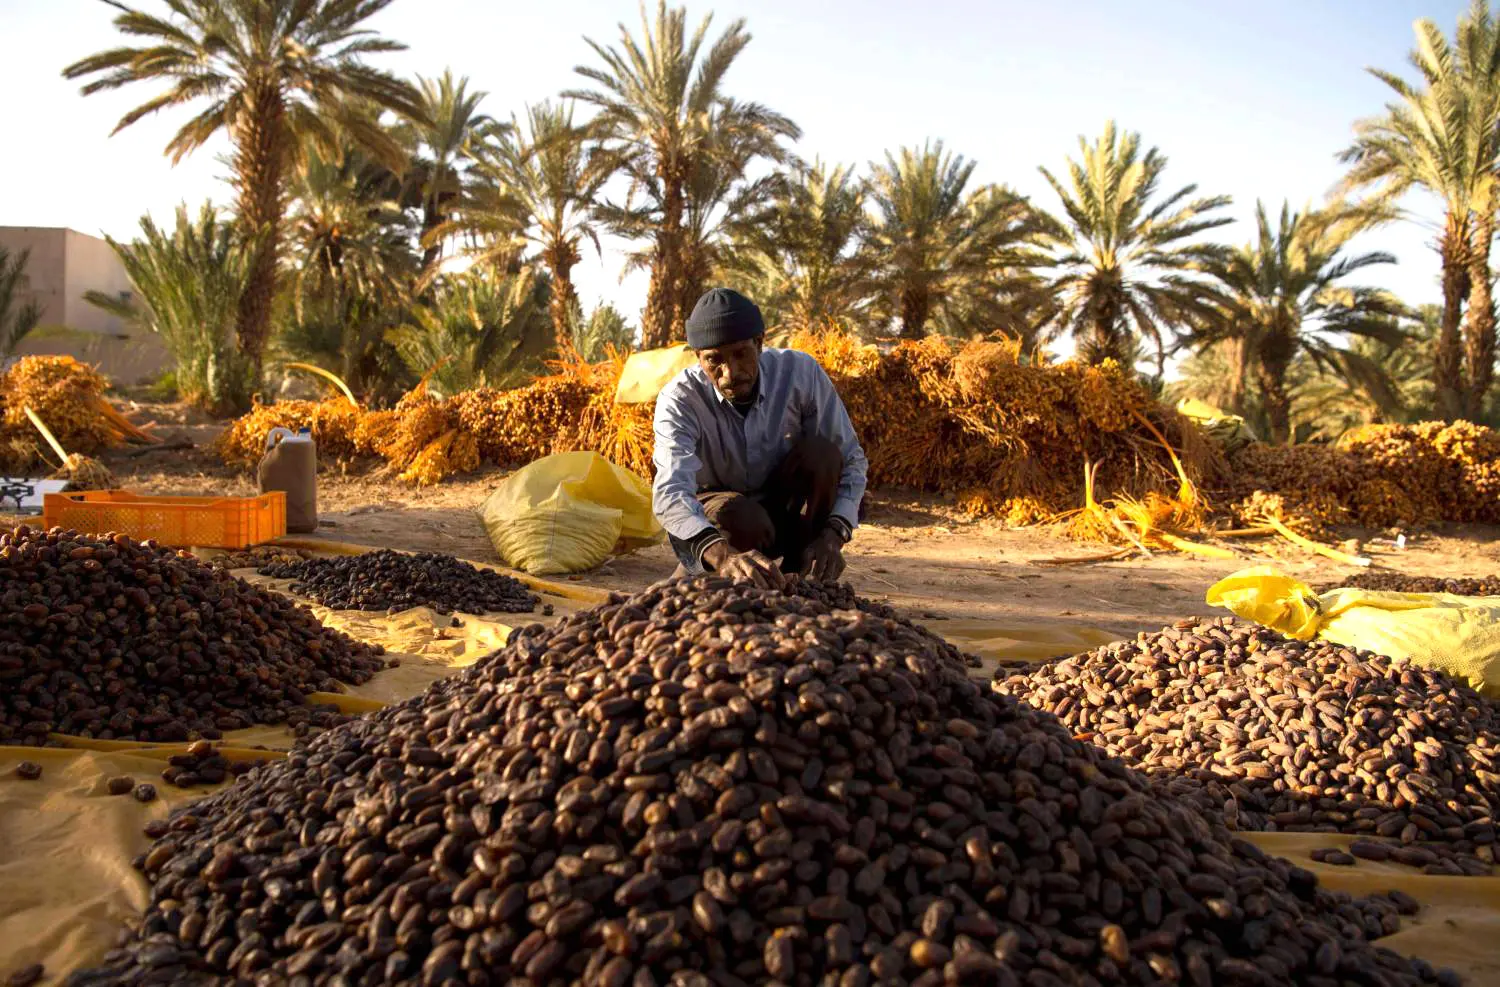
(781, 520)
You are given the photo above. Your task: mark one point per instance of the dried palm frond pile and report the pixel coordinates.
(68, 396)
(1377, 475)
(549, 415)
(975, 421)
(84, 473)
(1007, 437)
(336, 427)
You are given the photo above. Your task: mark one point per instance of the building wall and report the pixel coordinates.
(46, 269)
(64, 264)
(91, 266)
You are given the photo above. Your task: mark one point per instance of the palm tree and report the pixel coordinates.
(536, 185)
(347, 237)
(604, 328)
(1441, 135)
(798, 258)
(187, 285)
(16, 320)
(935, 247)
(1329, 404)
(1285, 298)
(720, 203)
(478, 331)
(273, 74)
(1126, 265)
(1217, 373)
(1325, 402)
(660, 106)
(722, 197)
(442, 142)
(353, 262)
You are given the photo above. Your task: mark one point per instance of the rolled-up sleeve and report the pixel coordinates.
(833, 424)
(674, 494)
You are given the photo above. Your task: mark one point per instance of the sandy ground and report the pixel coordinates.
(918, 554)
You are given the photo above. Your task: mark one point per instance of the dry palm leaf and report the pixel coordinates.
(81, 472)
(85, 473)
(328, 376)
(1312, 546)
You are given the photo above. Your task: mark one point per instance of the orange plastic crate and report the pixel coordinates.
(182, 522)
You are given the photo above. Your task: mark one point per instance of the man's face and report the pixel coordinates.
(734, 368)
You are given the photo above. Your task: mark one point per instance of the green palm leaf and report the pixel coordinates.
(16, 319)
(187, 284)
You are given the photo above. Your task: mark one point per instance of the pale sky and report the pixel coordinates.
(1249, 100)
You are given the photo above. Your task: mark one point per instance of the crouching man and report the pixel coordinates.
(756, 460)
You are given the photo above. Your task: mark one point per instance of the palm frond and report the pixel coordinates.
(17, 318)
(1129, 261)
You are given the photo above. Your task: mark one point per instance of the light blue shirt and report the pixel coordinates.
(703, 443)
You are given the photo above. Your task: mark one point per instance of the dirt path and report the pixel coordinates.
(918, 555)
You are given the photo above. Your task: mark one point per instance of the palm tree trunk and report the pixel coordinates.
(430, 221)
(1479, 322)
(434, 211)
(1237, 351)
(260, 168)
(560, 256)
(696, 270)
(1453, 248)
(661, 300)
(1109, 342)
(663, 316)
(1274, 351)
(1271, 373)
(916, 306)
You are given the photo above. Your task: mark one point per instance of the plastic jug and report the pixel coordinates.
(291, 466)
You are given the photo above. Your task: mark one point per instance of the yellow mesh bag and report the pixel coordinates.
(567, 513)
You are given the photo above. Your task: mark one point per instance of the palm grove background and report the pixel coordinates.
(388, 229)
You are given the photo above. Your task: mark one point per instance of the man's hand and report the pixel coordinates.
(751, 566)
(823, 559)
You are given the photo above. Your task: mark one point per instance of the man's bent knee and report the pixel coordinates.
(746, 525)
(817, 461)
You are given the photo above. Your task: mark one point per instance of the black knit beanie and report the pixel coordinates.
(723, 316)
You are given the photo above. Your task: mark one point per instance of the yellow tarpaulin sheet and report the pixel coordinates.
(567, 513)
(1008, 644)
(646, 373)
(1458, 635)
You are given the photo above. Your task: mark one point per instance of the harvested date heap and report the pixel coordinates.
(1399, 582)
(393, 581)
(109, 638)
(258, 556)
(1288, 735)
(710, 783)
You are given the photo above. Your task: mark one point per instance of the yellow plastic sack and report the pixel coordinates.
(1458, 635)
(645, 374)
(1229, 432)
(567, 513)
